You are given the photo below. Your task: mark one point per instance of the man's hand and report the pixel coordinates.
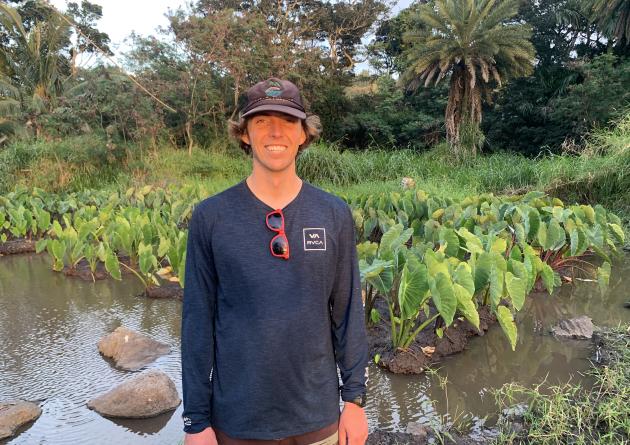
(353, 427)
(205, 437)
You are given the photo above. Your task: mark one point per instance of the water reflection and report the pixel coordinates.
(50, 326)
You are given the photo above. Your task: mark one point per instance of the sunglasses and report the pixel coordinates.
(279, 244)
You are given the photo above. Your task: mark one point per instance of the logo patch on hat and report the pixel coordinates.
(274, 89)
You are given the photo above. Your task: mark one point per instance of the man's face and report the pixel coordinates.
(275, 139)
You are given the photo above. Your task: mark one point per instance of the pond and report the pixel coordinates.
(50, 326)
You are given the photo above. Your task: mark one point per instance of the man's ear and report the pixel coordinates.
(245, 137)
(302, 135)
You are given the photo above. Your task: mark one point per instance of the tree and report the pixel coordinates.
(31, 65)
(477, 44)
(613, 17)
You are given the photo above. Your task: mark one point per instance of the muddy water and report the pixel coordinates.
(49, 327)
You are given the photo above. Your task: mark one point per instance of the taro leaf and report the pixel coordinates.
(483, 266)
(466, 305)
(163, 248)
(517, 288)
(506, 320)
(40, 245)
(497, 278)
(413, 287)
(394, 238)
(556, 237)
(449, 238)
(516, 254)
(379, 274)
(367, 250)
(547, 275)
(603, 276)
(533, 223)
(375, 316)
(112, 265)
(473, 243)
(464, 278)
(444, 297)
(589, 213)
(542, 236)
(499, 246)
(617, 232)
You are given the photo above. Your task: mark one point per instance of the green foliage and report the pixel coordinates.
(569, 413)
(477, 44)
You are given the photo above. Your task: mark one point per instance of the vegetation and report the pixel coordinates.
(475, 43)
(570, 413)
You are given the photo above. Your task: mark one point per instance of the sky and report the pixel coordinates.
(121, 17)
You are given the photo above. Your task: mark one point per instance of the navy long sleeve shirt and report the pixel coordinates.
(262, 336)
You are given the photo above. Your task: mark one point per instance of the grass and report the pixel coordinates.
(600, 174)
(570, 414)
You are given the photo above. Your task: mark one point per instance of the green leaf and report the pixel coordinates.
(449, 238)
(497, 278)
(463, 277)
(617, 232)
(506, 320)
(375, 316)
(517, 288)
(547, 275)
(603, 276)
(379, 274)
(413, 287)
(444, 297)
(482, 268)
(473, 243)
(40, 245)
(466, 305)
(112, 265)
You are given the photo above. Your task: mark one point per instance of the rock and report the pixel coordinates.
(15, 414)
(580, 327)
(417, 429)
(147, 395)
(131, 350)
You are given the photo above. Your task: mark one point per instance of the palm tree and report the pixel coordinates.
(612, 17)
(31, 67)
(477, 44)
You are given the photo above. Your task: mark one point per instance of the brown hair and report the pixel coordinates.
(312, 128)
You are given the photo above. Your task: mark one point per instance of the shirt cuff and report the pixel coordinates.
(194, 427)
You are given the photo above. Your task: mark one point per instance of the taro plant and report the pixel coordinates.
(411, 278)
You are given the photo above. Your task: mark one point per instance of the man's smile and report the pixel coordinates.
(276, 148)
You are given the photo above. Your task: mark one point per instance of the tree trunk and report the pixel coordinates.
(463, 113)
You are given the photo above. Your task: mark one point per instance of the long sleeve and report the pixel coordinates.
(348, 322)
(197, 347)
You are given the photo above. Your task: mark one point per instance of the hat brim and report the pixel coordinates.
(276, 107)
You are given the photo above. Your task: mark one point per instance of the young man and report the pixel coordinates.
(272, 302)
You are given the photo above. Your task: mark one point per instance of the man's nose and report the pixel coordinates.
(275, 127)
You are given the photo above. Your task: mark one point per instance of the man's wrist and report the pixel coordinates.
(359, 400)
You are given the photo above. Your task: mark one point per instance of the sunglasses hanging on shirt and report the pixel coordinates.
(279, 244)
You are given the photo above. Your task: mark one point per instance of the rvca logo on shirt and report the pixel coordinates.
(314, 238)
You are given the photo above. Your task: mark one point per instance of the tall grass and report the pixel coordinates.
(570, 414)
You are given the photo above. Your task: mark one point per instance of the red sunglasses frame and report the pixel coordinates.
(280, 233)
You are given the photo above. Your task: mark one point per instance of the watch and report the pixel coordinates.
(359, 400)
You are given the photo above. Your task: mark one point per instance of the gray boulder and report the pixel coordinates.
(130, 350)
(15, 414)
(580, 328)
(147, 395)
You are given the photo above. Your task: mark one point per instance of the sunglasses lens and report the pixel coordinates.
(280, 245)
(274, 221)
